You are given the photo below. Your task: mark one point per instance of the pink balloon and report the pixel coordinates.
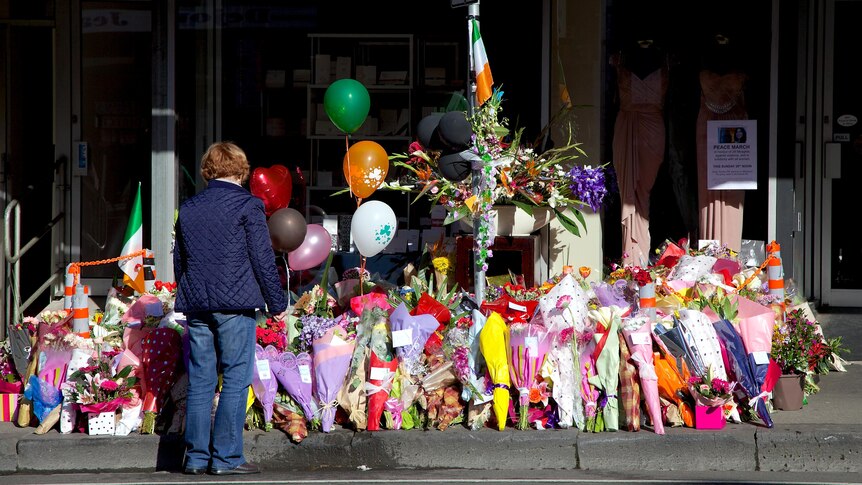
(313, 250)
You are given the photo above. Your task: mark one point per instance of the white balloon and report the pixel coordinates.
(373, 227)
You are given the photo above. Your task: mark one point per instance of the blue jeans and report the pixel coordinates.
(219, 342)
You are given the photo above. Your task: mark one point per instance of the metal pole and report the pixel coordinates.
(478, 273)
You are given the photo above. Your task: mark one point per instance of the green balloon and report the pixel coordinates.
(346, 103)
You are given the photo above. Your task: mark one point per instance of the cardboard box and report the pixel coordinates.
(324, 179)
(276, 127)
(323, 127)
(367, 75)
(301, 77)
(388, 120)
(393, 77)
(321, 112)
(322, 69)
(342, 67)
(275, 78)
(435, 76)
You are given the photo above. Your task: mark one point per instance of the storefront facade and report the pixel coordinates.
(99, 96)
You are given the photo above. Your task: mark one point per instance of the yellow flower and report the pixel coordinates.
(441, 264)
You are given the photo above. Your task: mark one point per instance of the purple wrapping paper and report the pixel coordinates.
(295, 375)
(331, 358)
(612, 294)
(263, 380)
(417, 329)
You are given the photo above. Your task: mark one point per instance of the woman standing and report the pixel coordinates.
(225, 269)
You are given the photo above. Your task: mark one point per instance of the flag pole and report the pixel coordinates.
(478, 272)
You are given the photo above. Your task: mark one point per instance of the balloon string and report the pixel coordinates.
(287, 277)
(349, 171)
(361, 274)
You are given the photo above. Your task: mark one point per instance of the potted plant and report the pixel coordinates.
(793, 345)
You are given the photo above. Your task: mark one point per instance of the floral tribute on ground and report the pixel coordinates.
(373, 356)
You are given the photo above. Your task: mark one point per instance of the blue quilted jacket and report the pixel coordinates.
(223, 258)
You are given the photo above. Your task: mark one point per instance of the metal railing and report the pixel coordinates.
(13, 251)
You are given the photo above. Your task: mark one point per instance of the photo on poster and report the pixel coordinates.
(732, 155)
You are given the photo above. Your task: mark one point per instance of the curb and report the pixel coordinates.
(738, 447)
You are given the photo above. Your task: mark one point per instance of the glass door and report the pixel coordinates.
(841, 163)
(116, 125)
(28, 166)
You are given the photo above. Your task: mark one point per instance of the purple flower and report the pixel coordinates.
(313, 327)
(588, 185)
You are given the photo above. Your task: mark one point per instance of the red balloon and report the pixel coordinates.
(273, 186)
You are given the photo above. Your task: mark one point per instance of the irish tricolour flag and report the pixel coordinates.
(133, 272)
(479, 59)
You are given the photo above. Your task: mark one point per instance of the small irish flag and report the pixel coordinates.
(479, 60)
(134, 241)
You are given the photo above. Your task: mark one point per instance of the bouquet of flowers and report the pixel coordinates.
(709, 390)
(270, 332)
(10, 382)
(96, 389)
(799, 347)
(520, 175)
(528, 346)
(332, 352)
(512, 173)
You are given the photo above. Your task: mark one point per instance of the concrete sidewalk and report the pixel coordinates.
(825, 436)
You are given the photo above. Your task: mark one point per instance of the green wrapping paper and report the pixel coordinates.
(607, 355)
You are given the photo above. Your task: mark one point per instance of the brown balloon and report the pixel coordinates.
(287, 229)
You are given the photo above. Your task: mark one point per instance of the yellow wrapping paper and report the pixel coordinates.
(494, 345)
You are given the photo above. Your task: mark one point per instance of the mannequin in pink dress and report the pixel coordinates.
(638, 141)
(722, 87)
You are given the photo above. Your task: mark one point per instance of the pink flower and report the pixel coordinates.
(563, 302)
(108, 385)
(566, 334)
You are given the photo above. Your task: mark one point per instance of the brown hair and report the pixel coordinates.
(224, 159)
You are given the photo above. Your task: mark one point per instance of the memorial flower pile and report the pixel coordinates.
(563, 353)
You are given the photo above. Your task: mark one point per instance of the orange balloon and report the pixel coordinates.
(366, 164)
